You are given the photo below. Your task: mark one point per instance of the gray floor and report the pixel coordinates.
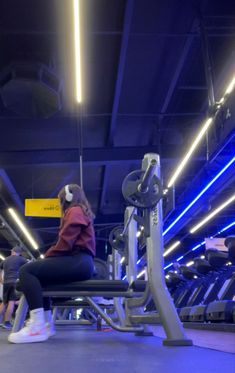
(86, 350)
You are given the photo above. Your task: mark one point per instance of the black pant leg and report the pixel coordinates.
(51, 271)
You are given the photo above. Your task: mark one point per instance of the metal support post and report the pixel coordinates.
(132, 249)
(117, 276)
(131, 244)
(156, 278)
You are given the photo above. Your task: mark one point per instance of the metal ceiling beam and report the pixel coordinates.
(121, 67)
(111, 33)
(92, 156)
(176, 75)
(117, 93)
(102, 115)
(11, 189)
(193, 87)
(179, 68)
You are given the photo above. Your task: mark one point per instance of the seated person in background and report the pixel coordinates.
(10, 266)
(71, 259)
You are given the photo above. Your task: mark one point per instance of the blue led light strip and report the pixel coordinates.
(178, 259)
(199, 195)
(197, 246)
(227, 227)
(169, 265)
(203, 243)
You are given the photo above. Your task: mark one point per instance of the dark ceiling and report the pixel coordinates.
(144, 90)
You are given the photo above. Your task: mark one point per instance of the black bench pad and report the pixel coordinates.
(138, 285)
(90, 285)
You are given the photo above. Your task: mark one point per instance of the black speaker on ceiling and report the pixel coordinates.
(30, 89)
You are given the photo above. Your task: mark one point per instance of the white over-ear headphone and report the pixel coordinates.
(68, 194)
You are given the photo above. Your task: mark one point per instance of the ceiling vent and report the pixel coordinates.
(30, 89)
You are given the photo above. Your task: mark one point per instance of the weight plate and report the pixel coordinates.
(139, 199)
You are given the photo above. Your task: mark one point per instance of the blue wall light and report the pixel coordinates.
(199, 195)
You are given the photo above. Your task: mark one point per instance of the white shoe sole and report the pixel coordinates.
(13, 338)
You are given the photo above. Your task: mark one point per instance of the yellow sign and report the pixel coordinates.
(45, 208)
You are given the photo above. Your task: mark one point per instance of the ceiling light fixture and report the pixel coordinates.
(141, 273)
(23, 228)
(217, 176)
(195, 143)
(230, 87)
(77, 46)
(212, 214)
(168, 266)
(180, 258)
(200, 135)
(171, 248)
(122, 260)
(226, 227)
(189, 264)
(198, 245)
(203, 243)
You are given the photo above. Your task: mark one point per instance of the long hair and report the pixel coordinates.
(79, 199)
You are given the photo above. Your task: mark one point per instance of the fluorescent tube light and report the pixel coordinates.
(220, 173)
(141, 273)
(203, 243)
(189, 264)
(230, 87)
(212, 214)
(203, 130)
(195, 143)
(77, 46)
(23, 228)
(2, 257)
(171, 248)
(122, 260)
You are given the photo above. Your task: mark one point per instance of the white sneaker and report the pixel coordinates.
(30, 333)
(50, 329)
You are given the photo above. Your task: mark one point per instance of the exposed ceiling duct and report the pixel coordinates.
(30, 89)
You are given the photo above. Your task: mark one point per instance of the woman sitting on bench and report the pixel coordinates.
(70, 259)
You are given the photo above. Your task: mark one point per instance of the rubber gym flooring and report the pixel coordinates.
(85, 350)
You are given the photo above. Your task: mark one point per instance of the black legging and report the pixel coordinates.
(53, 270)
